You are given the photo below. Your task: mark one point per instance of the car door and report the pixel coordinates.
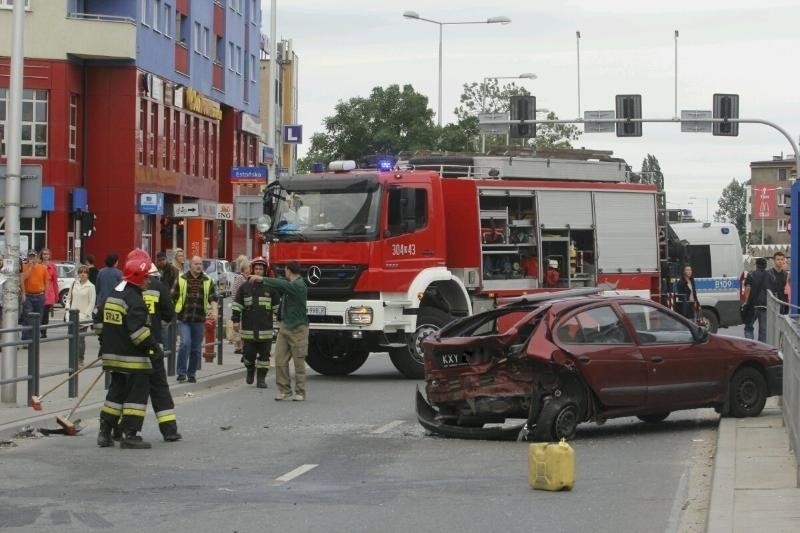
(607, 357)
(681, 372)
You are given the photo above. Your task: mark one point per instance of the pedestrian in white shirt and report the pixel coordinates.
(81, 297)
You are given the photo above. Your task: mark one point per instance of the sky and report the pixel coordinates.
(347, 47)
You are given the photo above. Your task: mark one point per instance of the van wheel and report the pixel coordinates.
(711, 318)
(410, 360)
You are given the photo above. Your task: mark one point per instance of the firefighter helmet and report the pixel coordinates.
(552, 263)
(137, 253)
(258, 261)
(136, 270)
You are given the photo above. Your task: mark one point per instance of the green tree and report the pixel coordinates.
(491, 97)
(651, 173)
(390, 120)
(732, 206)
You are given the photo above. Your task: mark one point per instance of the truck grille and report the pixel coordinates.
(335, 282)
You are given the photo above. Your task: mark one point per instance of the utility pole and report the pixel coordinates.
(8, 393)
(273, 65)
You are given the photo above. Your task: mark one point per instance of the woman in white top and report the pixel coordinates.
(81, 296)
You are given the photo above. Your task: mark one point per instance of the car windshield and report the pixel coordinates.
(326, 215)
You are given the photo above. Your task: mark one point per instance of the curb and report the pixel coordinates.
(721, 506)
(91, 409)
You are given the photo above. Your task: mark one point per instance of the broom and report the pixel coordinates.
(36, 401)
(69, 427)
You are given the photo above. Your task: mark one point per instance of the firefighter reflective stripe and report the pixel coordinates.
(249, 334)
(119, 362)
(182, 286)
(265, 302)
(114, 311)
(134, 409)
(140, 335)
(247, 301)
(113, 409)
(151, 299)
(236, 306)
(167, 415)
(262, 364)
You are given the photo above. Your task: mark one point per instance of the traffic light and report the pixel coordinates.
(629, 106)
(523, 108)
(726, 106)
(87, 223)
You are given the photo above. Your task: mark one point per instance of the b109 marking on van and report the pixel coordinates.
(717, 284)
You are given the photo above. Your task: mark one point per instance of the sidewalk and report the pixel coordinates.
(755, 476)
(54, 358)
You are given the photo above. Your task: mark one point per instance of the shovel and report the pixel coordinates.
(36, 401)
(70, 428)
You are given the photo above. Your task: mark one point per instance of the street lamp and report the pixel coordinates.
(415, 16)
(526, 75)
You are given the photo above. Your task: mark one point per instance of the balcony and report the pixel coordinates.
(181, 58)
(218, 78)
(91, 36)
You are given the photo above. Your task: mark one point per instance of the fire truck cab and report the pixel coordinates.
(391, 256)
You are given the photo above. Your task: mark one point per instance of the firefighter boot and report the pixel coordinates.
(251, 371)
(104, 439)
(132, 441)
(261, 378)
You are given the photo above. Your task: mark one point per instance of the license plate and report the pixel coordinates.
(317, 310)
(451, 359)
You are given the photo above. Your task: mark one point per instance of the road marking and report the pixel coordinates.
(299, 471)
(387, 427)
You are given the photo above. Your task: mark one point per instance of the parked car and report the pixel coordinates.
(66, 277)
(558, 360)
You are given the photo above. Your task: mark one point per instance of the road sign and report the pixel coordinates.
(248, 208)
(688, 125)
(185, 210)
(224, 212)
(598, 127)
(30, 192)
(293, 134)
(240, 175)
(151, 203)
(493, 123)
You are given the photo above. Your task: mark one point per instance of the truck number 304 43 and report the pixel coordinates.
(404, 249)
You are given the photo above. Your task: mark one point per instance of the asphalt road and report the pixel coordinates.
(351, 458)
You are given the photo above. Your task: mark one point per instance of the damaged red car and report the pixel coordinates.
(554, 361)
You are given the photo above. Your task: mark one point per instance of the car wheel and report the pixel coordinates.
(711, 319)
(748, 393)
(332, 358)
(409, 360)
(653, 419)
(558, 420)
(62, 297)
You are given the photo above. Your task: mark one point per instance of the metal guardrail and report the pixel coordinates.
(100, 18)
(73, 328)
(783, 332)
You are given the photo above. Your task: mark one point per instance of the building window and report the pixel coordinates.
(156, 12)
(204, 42)
(253, 12)
(253, 71)
(231, 50)
(173, 139)
(34, 123)
(152, 127)
(219, 49)
(201, 149)
(35, 229)
(211, 150)
(145, 9)
(182, 27)
(141, 131)
(236, 5)
(782, 225)
(238, 60)
(783, 174)
(9, 4)
(165, 20)
(197, 35)
(163, 137)
(73, 127)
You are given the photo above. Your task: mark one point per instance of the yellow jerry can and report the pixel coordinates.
(551, 466)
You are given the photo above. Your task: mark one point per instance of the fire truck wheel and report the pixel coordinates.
(409, 360)
(332, 358)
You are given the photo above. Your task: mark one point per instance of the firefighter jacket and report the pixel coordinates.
(158, 300)
(125, 338)
(253, 309)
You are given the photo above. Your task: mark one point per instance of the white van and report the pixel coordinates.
(715, 254)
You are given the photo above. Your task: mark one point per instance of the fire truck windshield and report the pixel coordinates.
(326, 215)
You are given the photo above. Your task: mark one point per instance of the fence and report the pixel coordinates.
(783, 332)
(71, 330)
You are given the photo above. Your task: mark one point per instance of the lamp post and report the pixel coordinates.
(415, 16)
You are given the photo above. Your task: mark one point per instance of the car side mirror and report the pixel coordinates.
(700, 334)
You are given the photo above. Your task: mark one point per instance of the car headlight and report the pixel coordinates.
(361, 316)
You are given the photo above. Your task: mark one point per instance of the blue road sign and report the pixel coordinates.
(293, 134)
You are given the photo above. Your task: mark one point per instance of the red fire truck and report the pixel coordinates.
(391, 255)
